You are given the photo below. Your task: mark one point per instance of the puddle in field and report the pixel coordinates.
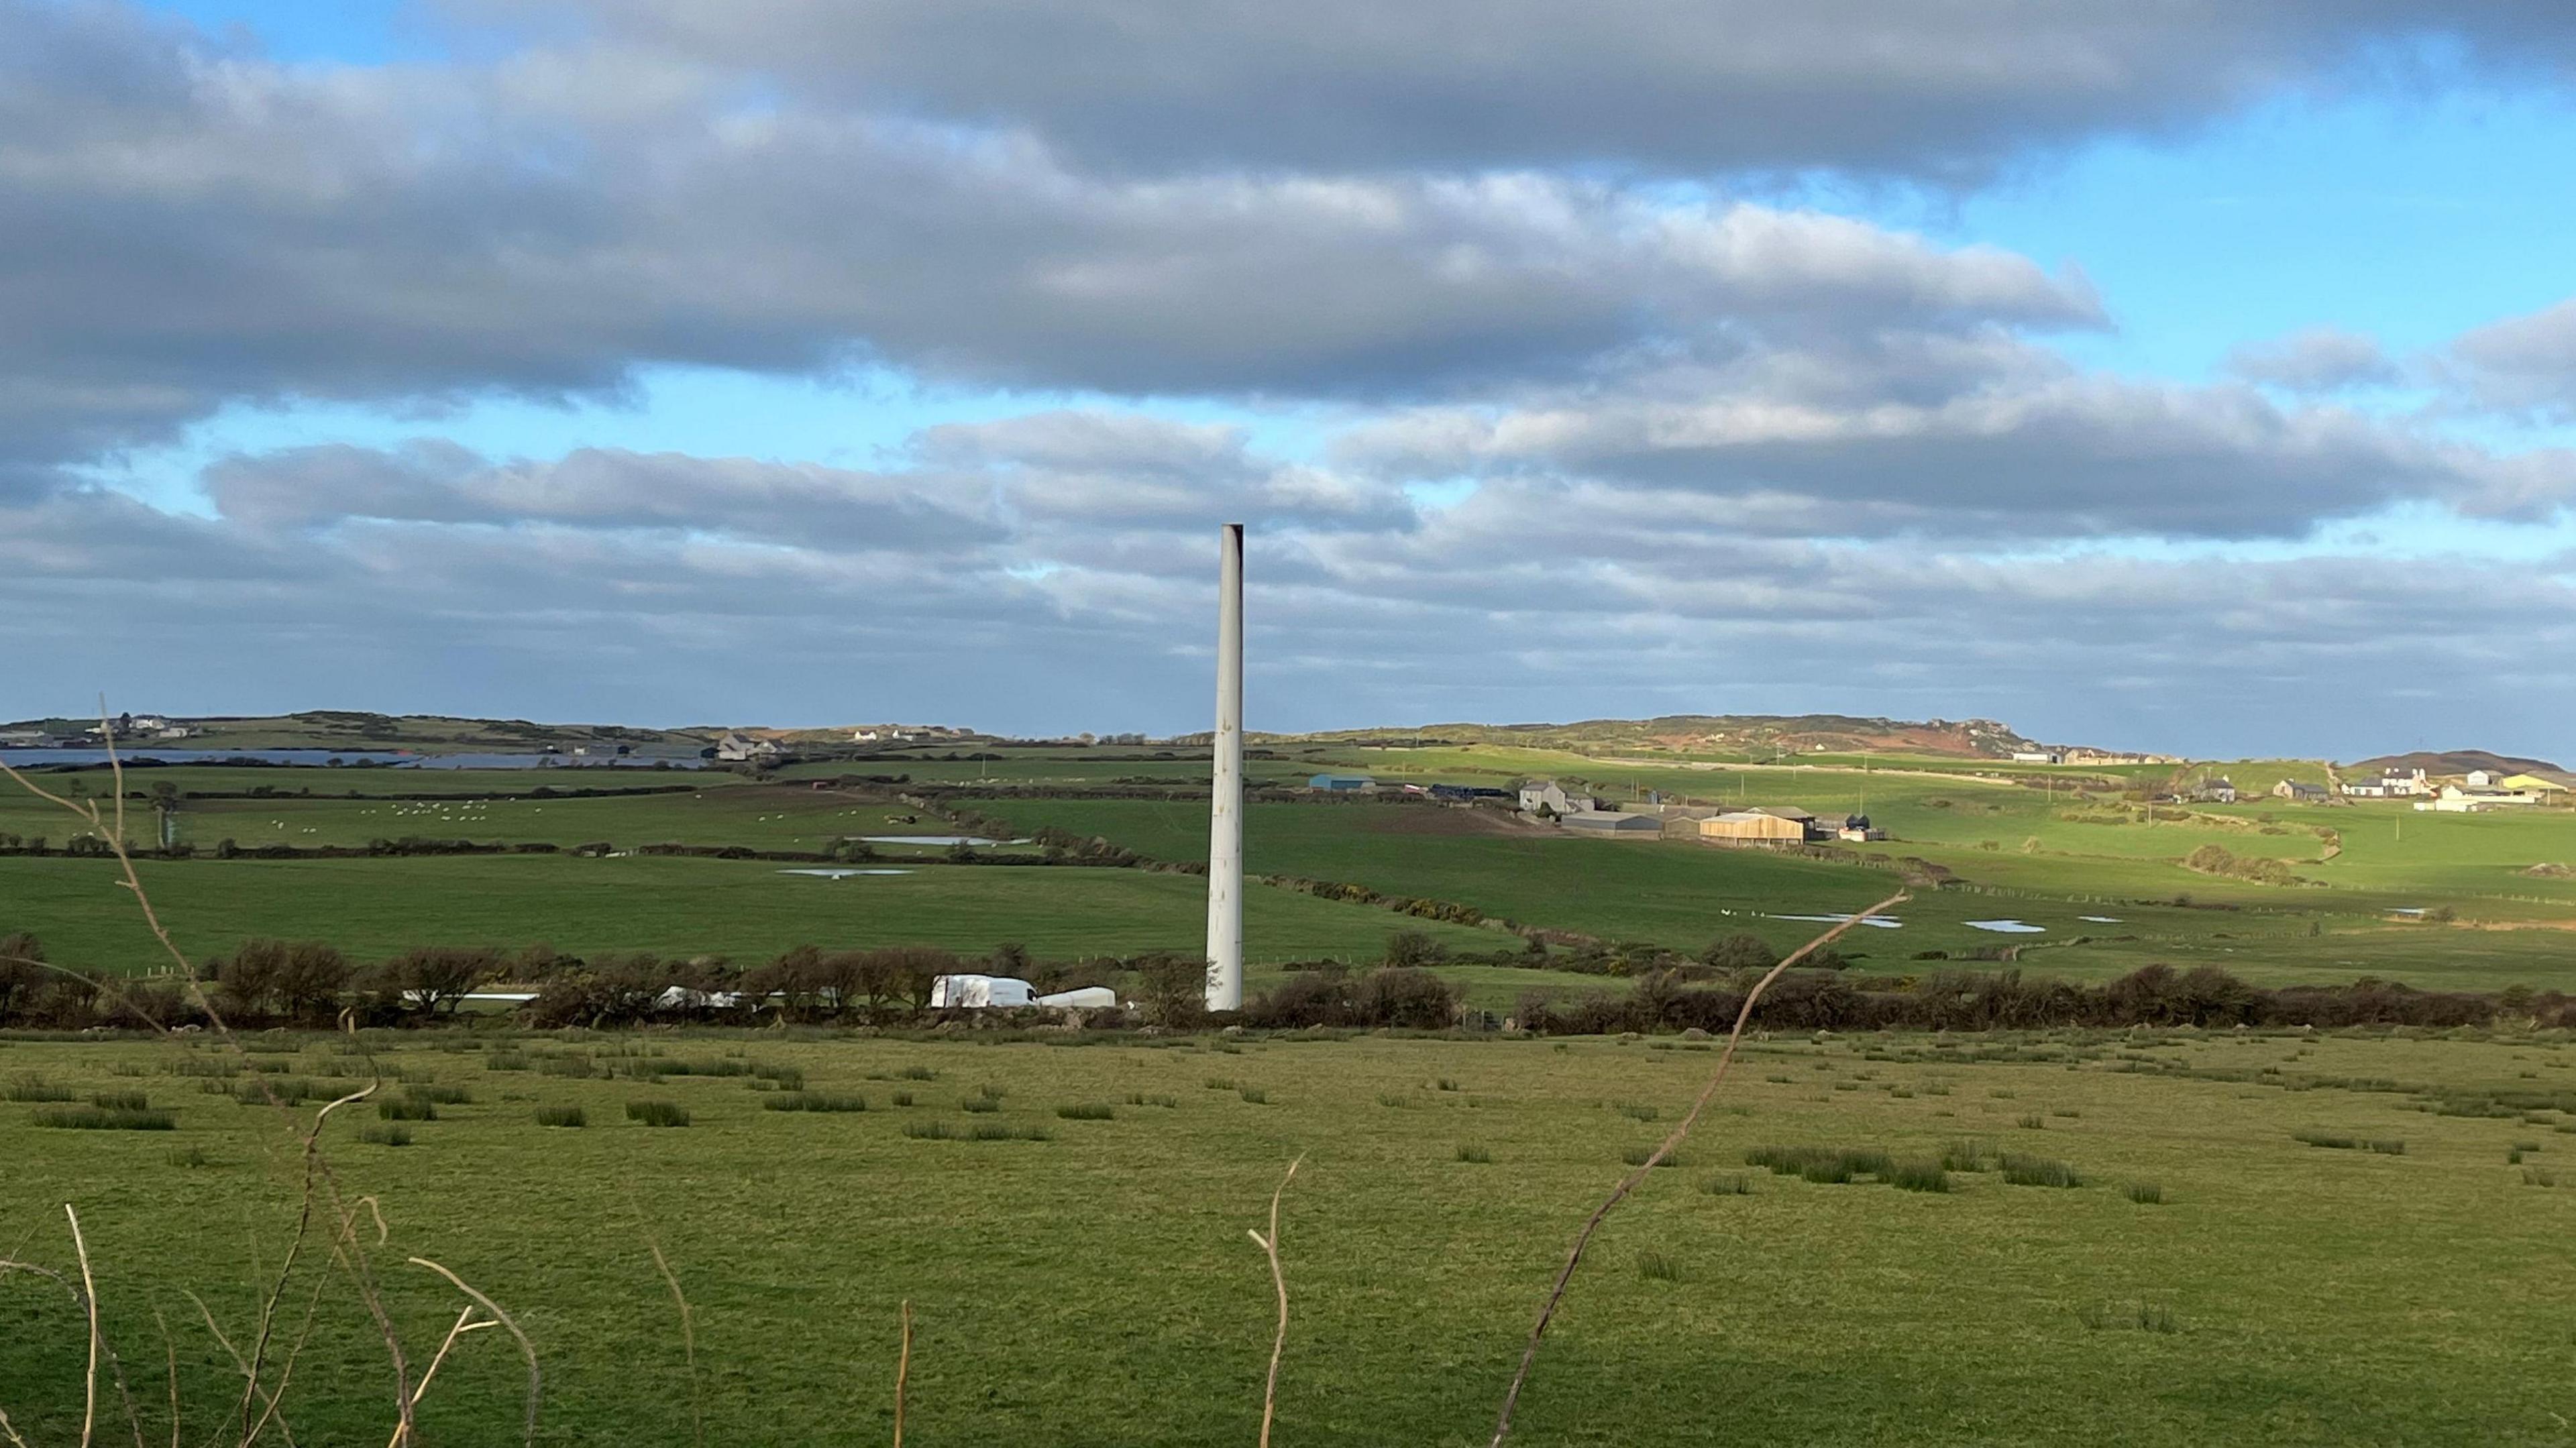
(1883, 922)
(976, 841)
(842, 874)
(2099, 919)
(2007, 927)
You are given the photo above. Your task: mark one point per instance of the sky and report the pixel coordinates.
(2198, 377)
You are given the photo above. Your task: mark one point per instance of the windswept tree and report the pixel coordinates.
(1740, 951)
(22, 972)
(436, 977)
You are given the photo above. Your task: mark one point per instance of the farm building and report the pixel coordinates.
(1752, 826)
(1547, 794)
(2531, 784)
(2300, 792)
(1603, 822)
(1341, 783)
(2221, 790)
(1858, 830)
(1467, 792)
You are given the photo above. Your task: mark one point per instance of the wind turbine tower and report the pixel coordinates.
(1225, 800)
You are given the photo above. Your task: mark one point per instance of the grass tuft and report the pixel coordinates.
(27, 1087)
(1639, 1155)
(657, 1113)
(1658, 1267)
(1477, 1154)
(2147, 1194)
(105, 1118)
(1254, 1094)
(189, 1156)
(1918, 1176)
(2039, 1171)
(1727, 1184)
(815, 1101)
(562, 1116)
(395, 1135)
(1087, 1111)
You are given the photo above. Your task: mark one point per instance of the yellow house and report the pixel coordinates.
(2531, 783)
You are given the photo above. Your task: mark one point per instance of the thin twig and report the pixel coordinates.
(902, 1370)
(171, 1350)
(89, 1305)
(527, 1349)
(465, 1323)
(688, 1338)
(1270, 1248)
(1618, 1194)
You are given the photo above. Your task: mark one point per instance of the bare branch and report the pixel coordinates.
(527, 1349)
(1270, 1247)
(89, 1305)
(902, 1370)
(688, 1338)
(1629, 1183)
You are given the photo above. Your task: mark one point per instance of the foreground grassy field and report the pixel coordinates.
(1094, 1286)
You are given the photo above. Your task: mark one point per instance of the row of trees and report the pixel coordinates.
(2154, 995)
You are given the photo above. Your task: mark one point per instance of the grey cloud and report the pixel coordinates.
(190, 227)
(1536, 592)
(1950, 91)
(2320, 359)
(2522, 364)
(591, 489)
(2033, 452)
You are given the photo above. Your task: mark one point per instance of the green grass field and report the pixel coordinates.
(2100, 876)
(1096, 1287)
(745, 910)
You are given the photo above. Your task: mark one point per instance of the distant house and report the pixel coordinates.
(1752, 826)
(1603, 822)
(736, 748)
(2221, 790)
(2390, 784)
(1341, 783)
(2038, 756)
(1547, 794)
(1858, 830)
(1457, 792)
(2300, 792)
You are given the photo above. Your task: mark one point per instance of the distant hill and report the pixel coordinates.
(2456, 761)
(1750, 735)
